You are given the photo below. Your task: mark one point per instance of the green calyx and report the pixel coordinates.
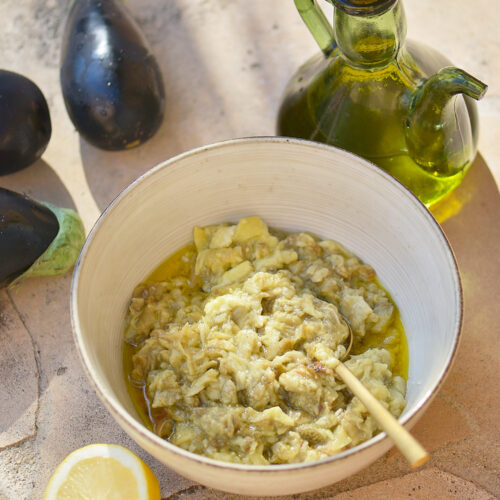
(60, 256)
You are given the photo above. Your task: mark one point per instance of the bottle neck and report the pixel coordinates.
(370, 40)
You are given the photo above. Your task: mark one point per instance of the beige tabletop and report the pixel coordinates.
(225, 64)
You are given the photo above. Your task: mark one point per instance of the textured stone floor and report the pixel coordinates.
(225, 65)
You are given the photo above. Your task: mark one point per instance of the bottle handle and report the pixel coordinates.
(318, 24)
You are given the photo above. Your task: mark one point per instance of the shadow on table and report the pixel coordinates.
(470, 220)
(108, 173)
(197, 108)
(35, 313)
(468, 201)
(39, 182)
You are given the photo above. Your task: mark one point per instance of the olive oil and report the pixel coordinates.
(179, 264)
(137, 392)
(394, 340)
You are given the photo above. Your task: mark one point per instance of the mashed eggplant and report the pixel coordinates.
(228, 353)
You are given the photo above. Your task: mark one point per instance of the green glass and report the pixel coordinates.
(398, 104)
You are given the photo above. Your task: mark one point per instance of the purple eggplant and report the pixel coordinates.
(111, 83)
(25, 126)
(36, 238)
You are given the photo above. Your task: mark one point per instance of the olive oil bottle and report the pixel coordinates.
(398, 104)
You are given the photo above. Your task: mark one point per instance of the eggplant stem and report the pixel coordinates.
(60, 256)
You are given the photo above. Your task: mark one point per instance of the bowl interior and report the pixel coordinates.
(293, 185)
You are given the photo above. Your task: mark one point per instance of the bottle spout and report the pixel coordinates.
(432, 131)
(451, 81)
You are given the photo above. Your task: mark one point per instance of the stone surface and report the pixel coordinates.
(225, 65)
(430, 483)
(19, 376)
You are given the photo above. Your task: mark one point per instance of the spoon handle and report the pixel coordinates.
(406, 443)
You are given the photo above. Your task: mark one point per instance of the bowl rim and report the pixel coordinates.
(125, 419)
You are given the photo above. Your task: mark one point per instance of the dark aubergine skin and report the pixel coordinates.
(111, 83)
(25, 126)
(27, 228)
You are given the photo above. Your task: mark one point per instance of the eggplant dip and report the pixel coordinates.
(225, 346)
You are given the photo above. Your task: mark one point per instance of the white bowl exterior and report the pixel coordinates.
(293, 185)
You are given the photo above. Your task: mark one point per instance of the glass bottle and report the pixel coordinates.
(398, 104)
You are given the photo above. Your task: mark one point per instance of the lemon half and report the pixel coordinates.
(102, 472)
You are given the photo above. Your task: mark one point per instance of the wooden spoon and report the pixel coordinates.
(407, 444)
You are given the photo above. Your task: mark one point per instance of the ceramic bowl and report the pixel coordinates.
(292, 185)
